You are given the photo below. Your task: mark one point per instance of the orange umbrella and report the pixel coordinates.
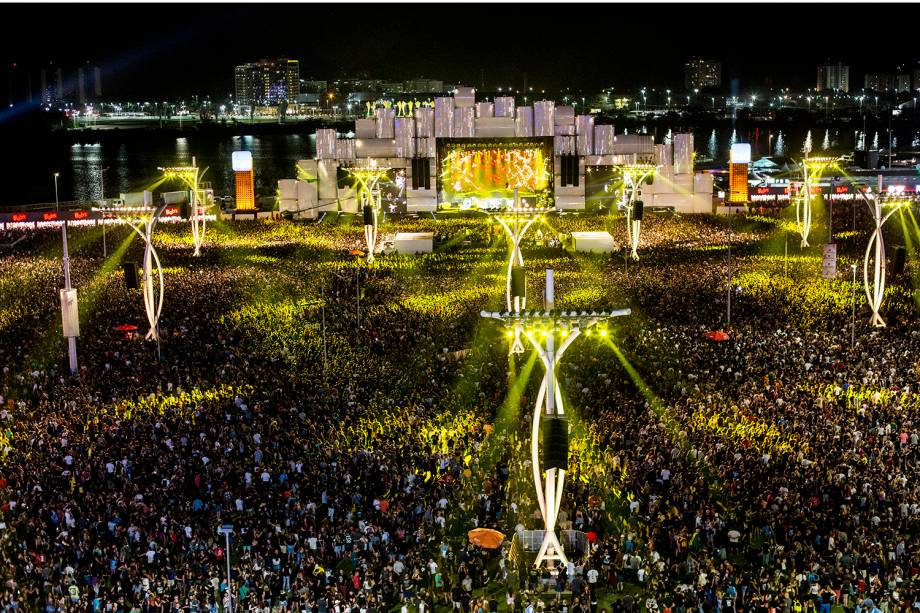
(357, 252)
(486, 538)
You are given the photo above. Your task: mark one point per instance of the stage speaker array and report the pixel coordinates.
(555, 446)
(368, 215)
(421, 173)
(518, 282)
(569, 170)
(638, 210)
(130, 272)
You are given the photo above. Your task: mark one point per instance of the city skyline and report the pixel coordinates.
(334, 41)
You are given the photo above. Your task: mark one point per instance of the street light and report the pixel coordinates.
(56, 203)
(853, 300)
(227, 530)
(102, 197)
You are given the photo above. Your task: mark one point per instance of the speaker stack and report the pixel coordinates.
(555, 442)
(130, 272)
(518, 282)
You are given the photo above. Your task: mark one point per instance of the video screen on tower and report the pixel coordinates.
(483, 173)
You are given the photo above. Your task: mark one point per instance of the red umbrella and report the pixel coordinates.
(717, 336)
(126, 328)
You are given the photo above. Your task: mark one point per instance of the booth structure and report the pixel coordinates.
(593, 242)
(556, 159)
(414, 242)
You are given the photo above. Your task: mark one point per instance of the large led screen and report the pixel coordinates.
(392, 188)
(483, 173)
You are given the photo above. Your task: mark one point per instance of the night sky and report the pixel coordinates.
(166, 50)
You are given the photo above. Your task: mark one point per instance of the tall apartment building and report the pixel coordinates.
(834, 77)
(699, 74)
(267, 82)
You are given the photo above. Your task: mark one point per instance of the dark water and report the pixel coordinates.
(131, 160)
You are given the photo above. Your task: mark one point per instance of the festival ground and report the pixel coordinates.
(354, 421)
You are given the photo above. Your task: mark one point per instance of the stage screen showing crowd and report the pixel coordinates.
(392, 188)
(483, 173)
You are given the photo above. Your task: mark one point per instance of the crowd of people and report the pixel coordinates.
(352, 423)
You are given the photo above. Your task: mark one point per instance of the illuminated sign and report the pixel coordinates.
(19, 217)
(241, 161)
(737, 182)
(741, 153)
(50, 216)
(171, 211)
(80, 215)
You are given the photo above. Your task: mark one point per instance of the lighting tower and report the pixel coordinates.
(811, 170)
(634, 176)
(516, 221)
(191, 177)
(143, 220)
(543, 330)
(875, 250)
(368, 176)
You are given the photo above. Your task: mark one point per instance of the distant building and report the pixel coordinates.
(312, 86)
(902, 84)
(916, 78)
(52, 84)
(423, 86)
(267, 82)
(879, 82)
(834, 77)
(700, 74)
(89, 84)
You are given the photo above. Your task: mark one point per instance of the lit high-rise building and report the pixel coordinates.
(267, 82)
(52, 84)
(699, 74)
(834, 77)
(902, 84)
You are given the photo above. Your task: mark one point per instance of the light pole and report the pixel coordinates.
(853, 300)
(56, 203)
(728, 310)
(227, 530)
(70, 319)
(102, 196)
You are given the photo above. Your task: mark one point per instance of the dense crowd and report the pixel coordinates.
(352, 423)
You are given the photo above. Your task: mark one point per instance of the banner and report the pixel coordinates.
(829, 262)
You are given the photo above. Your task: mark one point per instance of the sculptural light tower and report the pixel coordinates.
(811, 170)
(634, 176)
(875, 250)
(368, 176)
(543, 329)
(199, 204)
(516, 221)
(143, 220)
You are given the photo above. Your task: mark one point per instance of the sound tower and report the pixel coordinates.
(130, 271)
(518, 282)
(564, 171)
(425, 167)
(573, 171)
(368, 215)
(415, 173)
(555, 432)
(900, 255)
(638, 210)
